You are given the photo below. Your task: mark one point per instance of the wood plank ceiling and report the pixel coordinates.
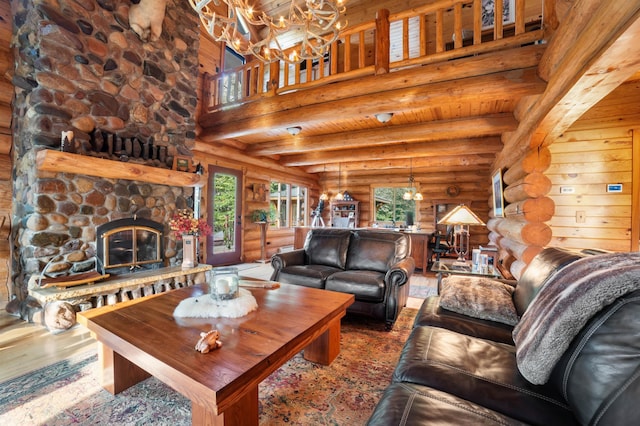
(447, 116)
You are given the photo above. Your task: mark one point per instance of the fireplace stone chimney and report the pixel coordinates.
(80, 68)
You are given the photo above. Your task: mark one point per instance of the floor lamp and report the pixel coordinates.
(461, 218)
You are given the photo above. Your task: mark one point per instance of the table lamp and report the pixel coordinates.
(461, 218)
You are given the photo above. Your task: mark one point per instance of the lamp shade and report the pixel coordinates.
(461, 215)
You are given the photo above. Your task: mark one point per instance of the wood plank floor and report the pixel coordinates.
(26, 347)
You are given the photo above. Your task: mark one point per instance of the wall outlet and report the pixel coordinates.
(567, 190)
(581, 216)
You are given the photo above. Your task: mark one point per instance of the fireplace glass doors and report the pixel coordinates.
(130, 244)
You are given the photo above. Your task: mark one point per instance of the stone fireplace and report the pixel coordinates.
(80, 68)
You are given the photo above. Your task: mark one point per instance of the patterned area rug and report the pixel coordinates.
(299, 393)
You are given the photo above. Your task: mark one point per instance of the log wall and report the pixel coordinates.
(6, 95)
(597, 150)
(432, 183)
(562, 143)
(257, 172)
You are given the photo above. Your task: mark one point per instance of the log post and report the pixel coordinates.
(274, 78)
(382, 42)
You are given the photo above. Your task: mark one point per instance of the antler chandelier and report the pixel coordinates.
(318, 26)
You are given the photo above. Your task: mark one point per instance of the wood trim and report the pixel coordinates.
(635, 188)
(64, 162)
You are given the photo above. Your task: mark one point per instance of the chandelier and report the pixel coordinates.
(411, 193)
(318, 26)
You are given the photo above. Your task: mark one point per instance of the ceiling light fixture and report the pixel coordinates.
(318, 25)
(383, 117)
(411, 193)
(294, 130)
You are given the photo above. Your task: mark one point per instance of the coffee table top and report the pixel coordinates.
(466, 269)
(145, 332)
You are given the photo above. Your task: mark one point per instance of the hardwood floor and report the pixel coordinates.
(26, 347)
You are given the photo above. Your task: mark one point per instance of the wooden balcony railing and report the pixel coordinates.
(440, 31)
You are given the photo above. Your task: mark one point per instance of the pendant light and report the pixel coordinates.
(411, 193)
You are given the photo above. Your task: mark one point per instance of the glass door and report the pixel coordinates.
(225, 207)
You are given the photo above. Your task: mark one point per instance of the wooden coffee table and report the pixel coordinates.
(141, 338)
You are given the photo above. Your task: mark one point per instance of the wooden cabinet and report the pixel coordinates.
(420, 250)
(345, 214)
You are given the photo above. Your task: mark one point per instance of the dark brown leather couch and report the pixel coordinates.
(457, 370)
(373, 265)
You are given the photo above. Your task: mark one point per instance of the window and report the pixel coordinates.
(288, 205)
(390, 209)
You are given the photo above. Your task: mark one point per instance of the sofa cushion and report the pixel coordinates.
(306, 275)
(480, 371)
(367, 286)
(376, 250)
(327, 247)
(430, 313)
(479, 297)
(411, 404)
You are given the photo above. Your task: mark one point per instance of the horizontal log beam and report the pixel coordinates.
(495, 62)
(533, 185)
(435, 165)
(226, 154)
(494, 87)
(434, 149)
(493, 125)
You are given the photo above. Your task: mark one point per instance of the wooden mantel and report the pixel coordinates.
(64, 162)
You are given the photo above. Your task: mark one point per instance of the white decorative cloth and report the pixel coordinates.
(206, 306)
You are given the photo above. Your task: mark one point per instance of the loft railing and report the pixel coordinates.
(440, 31)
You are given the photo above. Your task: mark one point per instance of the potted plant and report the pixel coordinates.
(260, 215)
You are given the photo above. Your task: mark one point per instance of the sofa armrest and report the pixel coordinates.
(282, 260)
(400, 273)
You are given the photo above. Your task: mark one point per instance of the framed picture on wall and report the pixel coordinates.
(508, 13)
(259, 192)
(182, 163)
(498, 201)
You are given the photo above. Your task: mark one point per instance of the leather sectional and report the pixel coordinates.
(456, 369)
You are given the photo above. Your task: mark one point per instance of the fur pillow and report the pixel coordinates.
(479, 297)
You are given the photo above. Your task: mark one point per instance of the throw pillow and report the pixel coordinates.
(479, 297)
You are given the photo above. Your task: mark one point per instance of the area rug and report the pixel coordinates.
(299, 393)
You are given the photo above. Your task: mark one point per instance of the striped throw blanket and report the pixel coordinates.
(565, 304)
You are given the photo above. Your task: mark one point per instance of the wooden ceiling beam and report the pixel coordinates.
(436, 149)
(420, 164)
(461, 174)
(231, 154)
(489, 88)
(492, 125)
(214, 124)
(489, 63)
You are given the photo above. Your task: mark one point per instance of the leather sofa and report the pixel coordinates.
(373, 265)
(456, 369)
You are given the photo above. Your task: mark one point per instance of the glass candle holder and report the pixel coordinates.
(223, 283)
